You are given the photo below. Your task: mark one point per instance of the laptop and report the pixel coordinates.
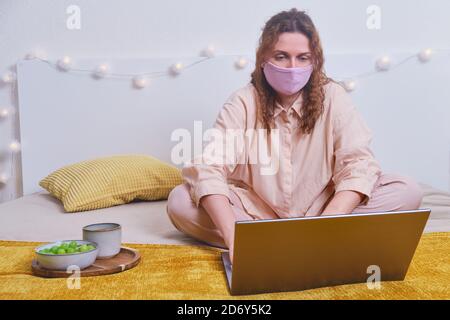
(296, 254)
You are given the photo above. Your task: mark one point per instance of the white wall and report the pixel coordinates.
(127, 29)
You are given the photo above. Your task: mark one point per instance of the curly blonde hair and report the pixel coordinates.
(313, 94)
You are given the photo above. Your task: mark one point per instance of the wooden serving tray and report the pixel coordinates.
(126, 259)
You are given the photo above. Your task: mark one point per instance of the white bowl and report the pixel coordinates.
(81, 260)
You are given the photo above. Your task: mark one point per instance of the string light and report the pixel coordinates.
(383, 63)
(4, 178)
(349, 85)
(176, 68)
(101, 71)
(425, 55)
(140, 82)
(4, 113)
(65, 63)
(209, 52)
(241, 63)
(9, 77)
(14, 146)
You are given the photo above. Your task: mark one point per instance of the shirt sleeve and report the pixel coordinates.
(207, 173)
(355, 166)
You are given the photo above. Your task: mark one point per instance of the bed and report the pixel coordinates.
(40, 217)
(116, 120)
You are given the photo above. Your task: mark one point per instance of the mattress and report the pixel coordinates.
(40, 217)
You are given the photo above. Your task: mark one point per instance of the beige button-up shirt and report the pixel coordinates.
(306, 169)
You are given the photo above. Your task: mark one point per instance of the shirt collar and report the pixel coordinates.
(296, 106)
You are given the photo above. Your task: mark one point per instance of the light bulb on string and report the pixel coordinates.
(101, 71)
(241, 63)
(65, 63)
(209, 51)
(4, 178)
(383, 63)
(176, 68)
(9, 77)
(4, 113)
(425, 55)
(140, 82)
(14, 146)
(349, 85)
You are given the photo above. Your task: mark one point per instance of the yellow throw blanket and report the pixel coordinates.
(195, 272)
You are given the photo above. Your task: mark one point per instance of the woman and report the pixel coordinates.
(325, 164)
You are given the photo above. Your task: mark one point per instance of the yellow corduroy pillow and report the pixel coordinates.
(110, 181)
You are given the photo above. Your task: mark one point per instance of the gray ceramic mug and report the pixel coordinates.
(108, 236)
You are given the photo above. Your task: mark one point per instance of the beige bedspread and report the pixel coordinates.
(40, 217)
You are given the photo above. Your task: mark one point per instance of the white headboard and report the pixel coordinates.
(69, 117)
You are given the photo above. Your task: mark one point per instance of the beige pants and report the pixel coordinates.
(391, 192)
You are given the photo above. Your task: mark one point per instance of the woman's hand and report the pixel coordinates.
(343, 202)
(231, 251)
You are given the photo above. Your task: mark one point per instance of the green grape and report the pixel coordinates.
(54, 249)
(70, 250)
(64, 245)
(73, 244)
(84, 248)
(61, 251)
(90, 247)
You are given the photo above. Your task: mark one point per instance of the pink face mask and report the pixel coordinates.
(287, 80)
